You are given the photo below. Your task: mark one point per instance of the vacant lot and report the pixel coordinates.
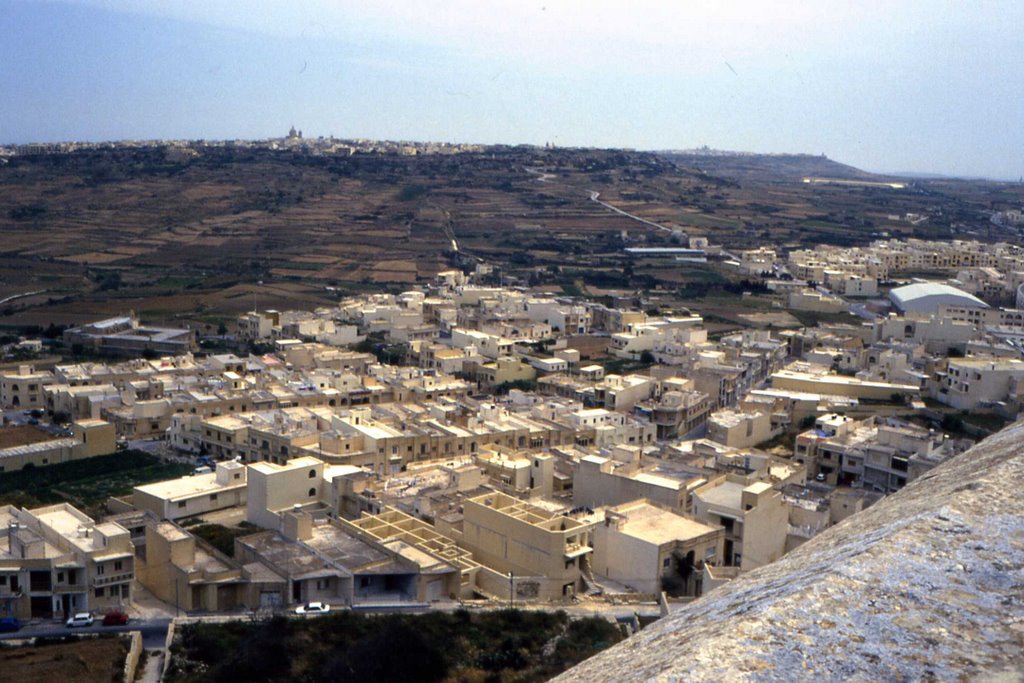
(22, 435)
(98, 660)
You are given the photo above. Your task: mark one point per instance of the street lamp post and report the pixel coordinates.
(511, 590)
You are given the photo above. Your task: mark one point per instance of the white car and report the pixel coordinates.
(313, 608)
(80, 619)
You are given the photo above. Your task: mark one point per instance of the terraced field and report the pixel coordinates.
(196, 238)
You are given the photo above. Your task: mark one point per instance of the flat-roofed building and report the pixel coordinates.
(275, 489)
(816, 381)
(28, 446)
(123, 336)
(197, 494)
(56, 560)
(23, 388)
(190, 574)
(508, 535)
(650, 549)
(754, 515)
(740, 429)
(338, 563)
(432, 550)
(967, 383)
(623, 478)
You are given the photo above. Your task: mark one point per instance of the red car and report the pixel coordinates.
(115, 618)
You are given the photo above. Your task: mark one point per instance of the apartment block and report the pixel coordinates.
(185, 572)
(511, 536)
(23, 388)
(197, 494)
(55, 561)
(649, 549)
(754, 516)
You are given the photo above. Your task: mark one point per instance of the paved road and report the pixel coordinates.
(595, 196)
(154, 631)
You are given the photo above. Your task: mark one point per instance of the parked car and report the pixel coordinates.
(313, 608)
(115, 618)
(9, 625)
(80, 619)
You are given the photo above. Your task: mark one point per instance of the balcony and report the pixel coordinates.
(122, 577)
(574, 550)
(61, 588)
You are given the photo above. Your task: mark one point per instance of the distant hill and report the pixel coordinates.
(766, 167)
(192, 231)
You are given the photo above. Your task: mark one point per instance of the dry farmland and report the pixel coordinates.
(189, 238)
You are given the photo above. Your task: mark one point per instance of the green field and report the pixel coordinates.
(86, 484)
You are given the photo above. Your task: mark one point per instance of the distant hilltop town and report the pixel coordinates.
(294, 140)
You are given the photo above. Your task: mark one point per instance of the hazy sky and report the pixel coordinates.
(903, 85)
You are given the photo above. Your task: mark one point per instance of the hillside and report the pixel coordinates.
(188, 233)
(768, 167)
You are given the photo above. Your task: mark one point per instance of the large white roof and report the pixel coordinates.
(941, 293)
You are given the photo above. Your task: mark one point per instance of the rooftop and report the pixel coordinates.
(186, 487)
(658, 526)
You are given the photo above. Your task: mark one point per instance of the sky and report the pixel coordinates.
(924, 86)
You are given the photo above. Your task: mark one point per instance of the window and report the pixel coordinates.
(117, 566)
(312, 474)
(213, 497)
(100, 592)
(667, 562)
(100, 569)
(312, 493)
(181, 505)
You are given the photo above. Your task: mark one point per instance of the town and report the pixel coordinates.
(467, 444)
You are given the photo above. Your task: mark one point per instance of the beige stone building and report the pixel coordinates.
(191, 575)
(23, 388)
(624, 478)
(740, 429)
(56, 560)
(754, 516)
(508, 535)
(649, 548)
(89, 438)
(197, 494)
(277, 489)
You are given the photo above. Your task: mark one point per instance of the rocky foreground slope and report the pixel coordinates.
(927, 584)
